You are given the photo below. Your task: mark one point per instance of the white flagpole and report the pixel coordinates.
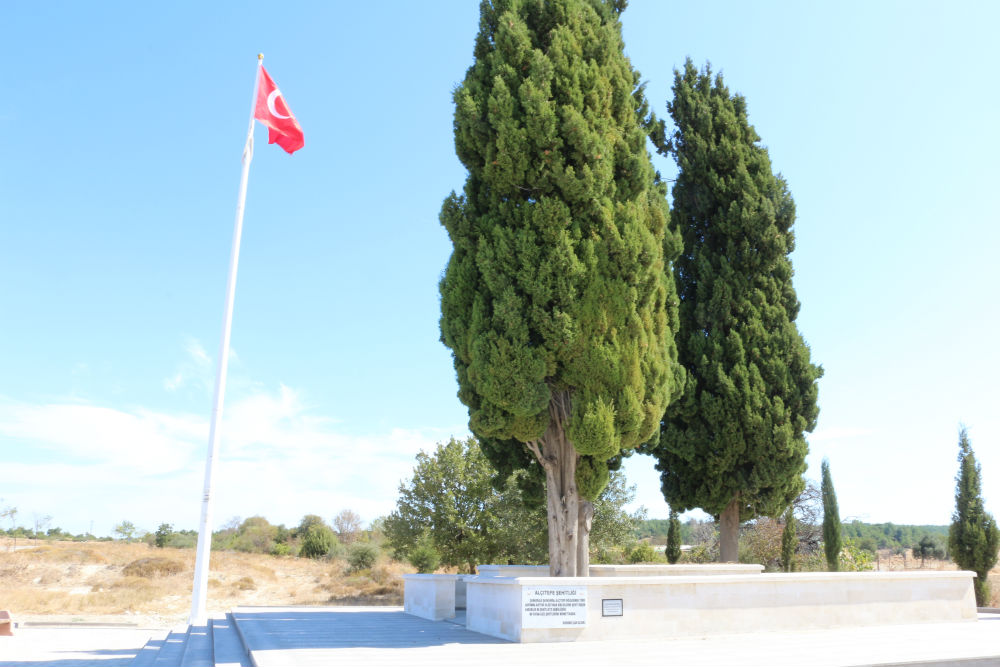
(199, 592)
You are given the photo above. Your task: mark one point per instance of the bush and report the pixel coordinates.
(425, 558)
(642, 553)
(163, 533)
(281, 549)
(319, 541)
(362, 556)
(152, 567)
(854, 559)
(246, 584)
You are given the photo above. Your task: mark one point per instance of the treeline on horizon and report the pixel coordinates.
(867, 536)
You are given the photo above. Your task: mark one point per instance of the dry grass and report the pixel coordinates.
(154, 585)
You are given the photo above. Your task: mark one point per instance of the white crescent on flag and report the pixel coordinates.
(271, 99)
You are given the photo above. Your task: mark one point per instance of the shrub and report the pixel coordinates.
(246, 584)
(152, 567)
(319, 541)
(425, 558)
(281, 549)
(642, 553)
(163, 533)
(361, 556)
(854, 559)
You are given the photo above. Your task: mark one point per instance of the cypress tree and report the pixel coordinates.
(973, 537)
(789, 542)
(733, 443)
(674, 538)
(557, 303)
(831, 520)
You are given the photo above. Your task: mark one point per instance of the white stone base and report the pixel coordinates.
(642, 570)
(430, 596)
(681, 606)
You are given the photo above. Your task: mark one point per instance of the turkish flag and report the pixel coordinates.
(271, 110)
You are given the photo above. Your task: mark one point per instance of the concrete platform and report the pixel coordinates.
(372, 636)
(281, 637)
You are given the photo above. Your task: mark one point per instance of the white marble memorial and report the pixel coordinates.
(624, 607)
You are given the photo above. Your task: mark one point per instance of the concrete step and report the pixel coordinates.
(198, 647)
(229, 648)
(146, 656)
(172, 651)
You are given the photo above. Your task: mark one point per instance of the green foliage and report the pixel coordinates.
(281, 549)
(362, 555)
(558, 283)
(898, 537)
(854, 559)
(973, 538)
(831, 520)
(789, 542)
(318, 541)
(424, 556)
(307, 522)
(125, 530)
(928, 547)
(673, 551)
(701, 553)
(163, 534)
(452, 501)
(750, 393)
(657, 530)
(642, 553)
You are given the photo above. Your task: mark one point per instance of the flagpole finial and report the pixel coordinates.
(260, 57)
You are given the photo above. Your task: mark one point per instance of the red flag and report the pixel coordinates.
(271, 110)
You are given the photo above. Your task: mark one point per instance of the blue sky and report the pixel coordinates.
(120, 137)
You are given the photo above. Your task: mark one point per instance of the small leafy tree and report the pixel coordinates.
(927, 547)
(307, 521)
(362, 556)
(673, 552)
(974, 537)
(831, 520)
(853, 558)
(125, 530)
(424, 556)
(789, 542)
(319, 541)
(163, 534)
(642, 553)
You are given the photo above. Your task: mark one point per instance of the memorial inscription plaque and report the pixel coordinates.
(554, 606)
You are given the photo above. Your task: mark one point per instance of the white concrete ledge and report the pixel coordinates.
(430, 596)
(686, 606)
(639, 570)
(682, 570)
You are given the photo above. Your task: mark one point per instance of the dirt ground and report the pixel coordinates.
(135, 583)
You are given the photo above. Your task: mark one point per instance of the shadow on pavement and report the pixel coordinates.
(293, 629)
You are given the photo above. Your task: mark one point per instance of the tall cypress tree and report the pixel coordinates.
(557, 302)
(832, 538)
(733, 444)
(789, 541)
(973, 537)
(673, 551)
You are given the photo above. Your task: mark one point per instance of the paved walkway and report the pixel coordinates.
(279, 637)
(74, 646)
(373, 636)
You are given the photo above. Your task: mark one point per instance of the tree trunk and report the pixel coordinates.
(568, 515)
(586, 519)
(729, 533)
